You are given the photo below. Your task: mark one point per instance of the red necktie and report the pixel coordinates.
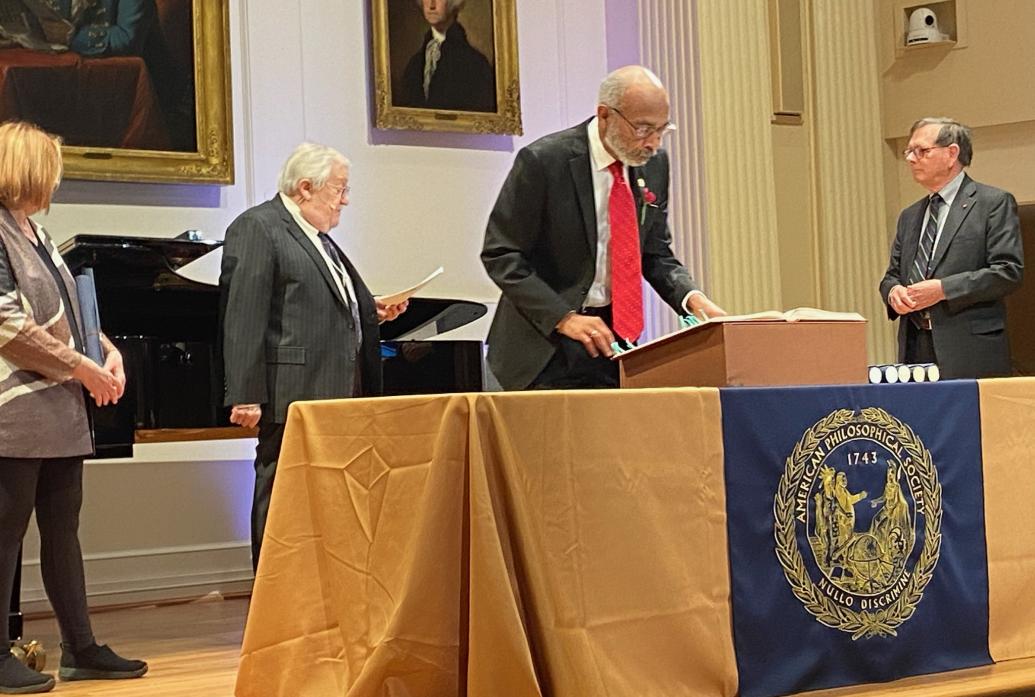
(626, 276)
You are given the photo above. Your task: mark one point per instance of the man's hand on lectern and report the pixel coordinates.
(703, 307)
(589, 331)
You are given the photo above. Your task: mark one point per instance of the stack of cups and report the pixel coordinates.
(904, 372)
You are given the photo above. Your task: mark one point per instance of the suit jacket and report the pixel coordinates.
(287, 334)
(42, 409)
(541, 246)
(979, 259)
(463, 78)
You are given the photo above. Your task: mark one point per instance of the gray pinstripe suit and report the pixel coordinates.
(287, 334)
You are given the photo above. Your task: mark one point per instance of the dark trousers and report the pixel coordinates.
(267, 452)
(54, 486)
(919, 345)
(572, 368)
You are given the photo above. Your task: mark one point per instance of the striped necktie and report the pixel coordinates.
(922, 262)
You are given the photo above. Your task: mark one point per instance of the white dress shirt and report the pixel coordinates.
(340, 275)
(948, 194)
(600, 160)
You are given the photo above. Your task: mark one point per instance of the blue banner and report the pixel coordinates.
(856, 533)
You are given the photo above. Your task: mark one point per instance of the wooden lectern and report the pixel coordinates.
(751, 353)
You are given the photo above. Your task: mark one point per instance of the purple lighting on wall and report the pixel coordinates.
(623, 33)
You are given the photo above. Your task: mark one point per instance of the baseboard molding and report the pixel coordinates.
(151, 575)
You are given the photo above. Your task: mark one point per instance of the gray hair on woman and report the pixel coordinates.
(310, 161)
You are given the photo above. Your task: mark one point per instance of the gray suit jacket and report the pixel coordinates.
(287, 334)
(980, 260)
(541, 245)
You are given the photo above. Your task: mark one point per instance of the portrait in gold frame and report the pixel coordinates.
(157, 110)
(488, 33)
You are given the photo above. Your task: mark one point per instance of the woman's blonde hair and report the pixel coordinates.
(30, 165)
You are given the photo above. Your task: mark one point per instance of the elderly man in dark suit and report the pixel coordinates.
(581, 219)
(447, 72)
(957, 254)
(297, 320)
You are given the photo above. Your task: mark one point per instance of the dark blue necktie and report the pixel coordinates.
(339, 268)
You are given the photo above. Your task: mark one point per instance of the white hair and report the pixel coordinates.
(451, 5)
(614, 86)
(310, 161)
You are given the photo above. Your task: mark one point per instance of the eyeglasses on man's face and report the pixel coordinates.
(339, 191)
(919, 152)
(643, 130)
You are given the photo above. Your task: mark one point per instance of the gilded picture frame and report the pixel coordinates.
(154, 109)
(473, 86)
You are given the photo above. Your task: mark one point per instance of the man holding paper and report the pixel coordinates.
(581, 220)
(298, 322)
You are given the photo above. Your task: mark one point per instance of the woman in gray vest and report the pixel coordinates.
(44, 429)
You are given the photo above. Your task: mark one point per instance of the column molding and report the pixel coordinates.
(743, 262)
(668, 46)
(852, 252)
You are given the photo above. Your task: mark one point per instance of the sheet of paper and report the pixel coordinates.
(204, 269)
(398, 297)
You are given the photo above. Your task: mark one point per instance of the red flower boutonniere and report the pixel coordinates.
(649, 198)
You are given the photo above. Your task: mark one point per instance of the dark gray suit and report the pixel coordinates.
(541, 245)
(979, 259)
(287, 334)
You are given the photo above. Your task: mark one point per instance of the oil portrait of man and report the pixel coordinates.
(442, 54)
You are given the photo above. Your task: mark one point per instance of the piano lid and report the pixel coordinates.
(134, 261)
(426, 318)
(152, 262)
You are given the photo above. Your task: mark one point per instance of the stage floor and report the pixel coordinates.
(192, 648)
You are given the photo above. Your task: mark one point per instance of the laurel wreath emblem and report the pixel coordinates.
(861, 624)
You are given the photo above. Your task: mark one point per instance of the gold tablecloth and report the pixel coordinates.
(543, 543)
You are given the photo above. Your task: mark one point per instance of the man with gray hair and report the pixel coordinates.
(957, 254)
(447, 72)
(297, 321)
(581, 219)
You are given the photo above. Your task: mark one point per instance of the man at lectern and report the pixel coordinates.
(297, 320)
(957, 254)
(581, 219)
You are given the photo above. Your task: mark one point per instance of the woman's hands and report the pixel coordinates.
(113, 364)
(104, 383)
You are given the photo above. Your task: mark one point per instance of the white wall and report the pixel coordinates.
(294, 80)
(173, 521)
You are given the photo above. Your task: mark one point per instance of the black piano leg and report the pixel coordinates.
(14, 620)
(31, 653)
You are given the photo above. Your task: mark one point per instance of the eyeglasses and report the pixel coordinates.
(920, 152)
(644, 130)
(340, 191)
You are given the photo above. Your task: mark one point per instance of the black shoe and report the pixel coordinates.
(97, 663)
(18, 679)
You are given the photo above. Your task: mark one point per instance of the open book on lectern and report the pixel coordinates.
(798, 314)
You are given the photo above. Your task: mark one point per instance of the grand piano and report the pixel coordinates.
(165, 325)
